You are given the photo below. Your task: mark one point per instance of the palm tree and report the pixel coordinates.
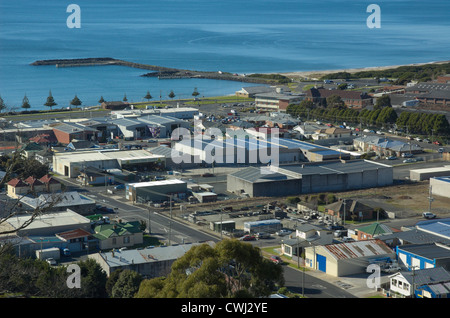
(171, 94)
(125, 98)
(101, 100)
(50, 101)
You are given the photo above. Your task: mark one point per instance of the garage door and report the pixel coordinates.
(321, 263)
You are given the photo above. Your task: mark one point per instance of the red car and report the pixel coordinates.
(248, 238)
(276, 259)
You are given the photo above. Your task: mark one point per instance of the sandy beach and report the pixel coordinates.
(318, 74)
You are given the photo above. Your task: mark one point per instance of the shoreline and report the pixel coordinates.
(318, 73)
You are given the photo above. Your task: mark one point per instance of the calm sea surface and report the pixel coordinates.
(228, 35)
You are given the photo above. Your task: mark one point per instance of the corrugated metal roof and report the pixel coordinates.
(358, 249)
(430, 251)
(439, 227)
(427, 276)
(253, 174)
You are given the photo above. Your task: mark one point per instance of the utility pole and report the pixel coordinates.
(343, 219)
(430, 199)
(149, 227)
(170, 222)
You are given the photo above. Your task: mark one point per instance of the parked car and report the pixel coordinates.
(409, 160)
(427, 141)
(392, 268)
(51, 261)
(392, 158)
(119, 186)
(419, 159)
(407, 155)
(207, 174)
(441, 150)
(340, 233)
(262, 235)
(428, 215)
(335, 227)
(283, 232)
(248, 238)
(276, 259)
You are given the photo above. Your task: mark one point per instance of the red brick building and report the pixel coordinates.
(444, 79)
(353, 99)
(66, 132)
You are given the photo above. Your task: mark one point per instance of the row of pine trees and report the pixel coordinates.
(76, 102)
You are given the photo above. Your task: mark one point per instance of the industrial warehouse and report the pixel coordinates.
(338, 175)
(251, 150)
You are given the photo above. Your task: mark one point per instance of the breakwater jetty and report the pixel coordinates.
(160, 72)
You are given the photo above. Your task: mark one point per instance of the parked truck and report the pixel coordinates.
(46, 253)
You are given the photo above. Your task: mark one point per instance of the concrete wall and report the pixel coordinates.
(425, 174)
(278, 188)
(235, 185)
(440, 187)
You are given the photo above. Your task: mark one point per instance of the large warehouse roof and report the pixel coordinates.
(332, 167)
(254, 174)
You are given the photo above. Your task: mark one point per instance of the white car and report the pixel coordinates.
(51, 261)
(283, 232)
(428, 215)
(391, 268)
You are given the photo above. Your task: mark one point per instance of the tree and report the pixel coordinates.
(2, 104)
(148, 96)
(101, 100)
(125, 99)
(171, 95)
(383, 101)
(230, 269)
(195, 93)
(127, 284)
(335, 101)
(343, 86)
(25, 102)
(93, 281)
(22, 168)
(50, 101)
(75, 101)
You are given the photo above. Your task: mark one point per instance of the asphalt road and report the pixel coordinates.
(298, 282)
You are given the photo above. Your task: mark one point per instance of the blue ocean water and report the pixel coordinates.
(229, 35)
